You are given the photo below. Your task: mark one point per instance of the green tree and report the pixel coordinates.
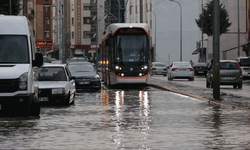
(207, 18)
(5, 7)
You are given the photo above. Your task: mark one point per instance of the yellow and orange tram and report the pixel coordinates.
(125, 54)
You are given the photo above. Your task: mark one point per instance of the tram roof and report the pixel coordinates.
(112, 28)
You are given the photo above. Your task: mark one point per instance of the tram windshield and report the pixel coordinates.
(131, 48)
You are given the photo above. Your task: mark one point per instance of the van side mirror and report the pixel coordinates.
(38, 60)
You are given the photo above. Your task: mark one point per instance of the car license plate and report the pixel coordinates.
(230, 78)
(43, 99)
(84, 82)
(200, 71)
(182, 69)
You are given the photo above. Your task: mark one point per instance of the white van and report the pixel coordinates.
(18, 60)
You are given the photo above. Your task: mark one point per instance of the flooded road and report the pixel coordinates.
(129, 119)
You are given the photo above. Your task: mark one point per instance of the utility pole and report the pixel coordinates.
(10, 8)
(27, 8)
(141, 19)
(216, 50)
(238, 28)
(202, 50)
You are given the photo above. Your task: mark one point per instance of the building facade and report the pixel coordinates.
(230, 41)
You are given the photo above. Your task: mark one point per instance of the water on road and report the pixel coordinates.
(129, 119)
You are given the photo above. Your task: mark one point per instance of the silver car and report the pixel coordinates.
(230, 74)
(56, 84)
(181, 70)
(159, 68)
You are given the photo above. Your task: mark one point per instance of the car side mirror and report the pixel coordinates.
(72, 77)
(38, 62)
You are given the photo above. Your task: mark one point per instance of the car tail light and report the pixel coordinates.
(191, 69)
(173, 69)
(165, 69)
(239, 67)
(153, 68)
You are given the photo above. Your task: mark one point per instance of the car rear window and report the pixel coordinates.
(181, 64)
(228, 66)
(159, 65)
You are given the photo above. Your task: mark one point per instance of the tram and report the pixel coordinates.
(125, 54)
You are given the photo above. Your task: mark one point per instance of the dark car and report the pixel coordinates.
(86, 75)
(76, 59)
(200, 69)
(230, 74)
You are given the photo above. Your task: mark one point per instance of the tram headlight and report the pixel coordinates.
(144, 67)
(118, 67)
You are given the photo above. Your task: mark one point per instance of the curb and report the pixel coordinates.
(196, 97)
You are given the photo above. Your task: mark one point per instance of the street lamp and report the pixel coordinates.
(180, 28)
(155, 33)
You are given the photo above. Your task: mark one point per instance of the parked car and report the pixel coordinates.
(230, 74)
(181, 70)
(56, 84)
(86, 75)
(46, 59)
(56, 62)
(76, 59)
(200, 69)
(159, 68)
(245, 66)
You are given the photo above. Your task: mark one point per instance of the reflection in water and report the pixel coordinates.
(125, 126)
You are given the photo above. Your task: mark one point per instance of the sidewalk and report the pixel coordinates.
(197, 89)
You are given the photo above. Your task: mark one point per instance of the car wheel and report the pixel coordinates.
(235, 86)
(191, 79)
(67, 100)
(240, 86)
(212, 85)
(208, 85)
(73, 102)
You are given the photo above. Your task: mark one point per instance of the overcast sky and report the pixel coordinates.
(168, 30)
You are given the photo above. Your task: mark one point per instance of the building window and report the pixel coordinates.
(73, 35)
(130, 10)
(136, 9)
(47, 34)
(151, 24)
(72, 21)
(46, 8)
(86, 34)
(147, 6)
(86, 7)
(47, 20)
(86, 20)
(72, 6)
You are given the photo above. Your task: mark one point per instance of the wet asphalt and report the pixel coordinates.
(134, 118)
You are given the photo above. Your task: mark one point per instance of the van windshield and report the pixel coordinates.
(14, 49)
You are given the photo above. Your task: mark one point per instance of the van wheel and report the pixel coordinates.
(208, 85)
(240, 86)
(35, 108)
